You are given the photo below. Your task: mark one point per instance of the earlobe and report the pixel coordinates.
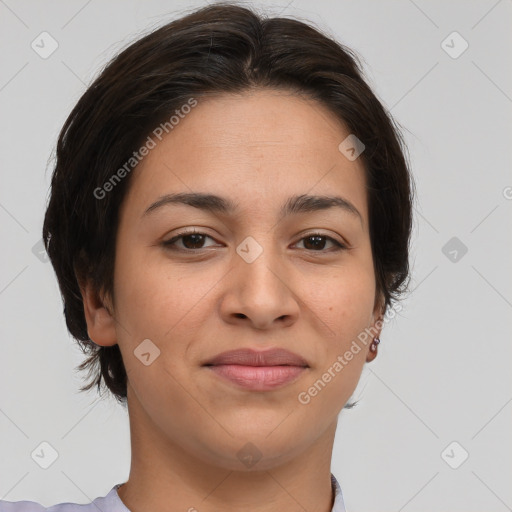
(372, 352)
(98, 315)
(377, 329)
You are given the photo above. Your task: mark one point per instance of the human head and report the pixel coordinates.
(220, 49)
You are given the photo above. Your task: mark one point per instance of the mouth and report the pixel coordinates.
(257, 378)
(252, 357)
(258, 370)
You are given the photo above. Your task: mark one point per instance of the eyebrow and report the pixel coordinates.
(217, 204)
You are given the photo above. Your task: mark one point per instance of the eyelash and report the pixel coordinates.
(169, 244)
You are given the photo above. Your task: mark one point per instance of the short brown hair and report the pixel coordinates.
(222, 48)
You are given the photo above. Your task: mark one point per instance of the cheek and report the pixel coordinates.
(346, 307)
(345, 299)
(156, 298)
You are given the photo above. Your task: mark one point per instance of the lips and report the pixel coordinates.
(250, 357)
(258, 370)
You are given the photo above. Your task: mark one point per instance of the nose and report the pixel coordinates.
(261, 293)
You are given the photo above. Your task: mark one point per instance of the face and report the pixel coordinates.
(249, 278)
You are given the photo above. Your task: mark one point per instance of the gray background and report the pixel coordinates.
(443, 370)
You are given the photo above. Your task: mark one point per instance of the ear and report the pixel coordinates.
(98, 315)
(376, 327)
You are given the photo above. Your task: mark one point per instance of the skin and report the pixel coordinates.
(187, 425)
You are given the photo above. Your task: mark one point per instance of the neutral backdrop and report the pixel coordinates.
(440, 389)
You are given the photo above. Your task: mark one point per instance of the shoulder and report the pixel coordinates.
(109, 503)
(32, 506)
(21, 506)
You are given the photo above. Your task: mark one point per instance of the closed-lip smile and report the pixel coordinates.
(258, 370)
(251, 357)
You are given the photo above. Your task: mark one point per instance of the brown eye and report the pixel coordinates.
(190, 241)
(194, 241)
(316, 242)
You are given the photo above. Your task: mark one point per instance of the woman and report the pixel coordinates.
(229, 223)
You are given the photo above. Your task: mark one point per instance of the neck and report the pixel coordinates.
(166, 476)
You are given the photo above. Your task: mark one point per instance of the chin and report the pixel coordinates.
(254, 450)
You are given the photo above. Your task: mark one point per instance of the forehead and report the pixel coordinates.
(262, 120)
(257, 147)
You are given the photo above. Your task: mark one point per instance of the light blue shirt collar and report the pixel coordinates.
(339, 504)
